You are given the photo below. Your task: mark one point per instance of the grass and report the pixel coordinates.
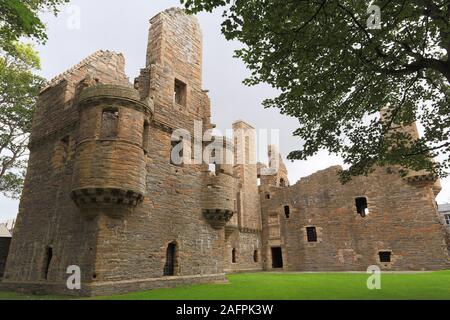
(298, 286)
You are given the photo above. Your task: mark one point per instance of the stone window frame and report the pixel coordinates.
(102, 134)
(287, 211)
(311, 234)
(277, 234)
(146, 136)
(385, 264)
(176, 264)
(319, 233)
(273, 217)
(180, 97)
(366, 199)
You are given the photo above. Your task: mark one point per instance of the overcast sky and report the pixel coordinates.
(122, 26)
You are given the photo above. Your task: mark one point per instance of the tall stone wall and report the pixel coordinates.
(249, 213)
(248, 255)
(105, 195)
(120, 245)
(243, 232)
(402, 220)
(50, 234)
(132, 252)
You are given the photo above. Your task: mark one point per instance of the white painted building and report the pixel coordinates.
(4, 232)
(9, 225)
(444, 211)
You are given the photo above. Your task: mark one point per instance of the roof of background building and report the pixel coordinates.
(444, 207)
(4, 233)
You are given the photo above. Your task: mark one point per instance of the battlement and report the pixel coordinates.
(101, 58)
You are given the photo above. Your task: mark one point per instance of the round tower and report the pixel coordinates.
(219, 196)
(109, 173)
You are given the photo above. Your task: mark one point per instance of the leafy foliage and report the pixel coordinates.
(20, 18)
(335, 74)
(19, 88)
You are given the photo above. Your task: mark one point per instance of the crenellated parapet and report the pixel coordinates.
(123, 96)
(424, 179)
(109, 173)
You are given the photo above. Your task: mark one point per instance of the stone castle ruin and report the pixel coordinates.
(102, 193)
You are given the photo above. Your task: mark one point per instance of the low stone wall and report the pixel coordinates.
(4, 249)
(109, 288)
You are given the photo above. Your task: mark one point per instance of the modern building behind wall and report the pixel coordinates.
(102, 191)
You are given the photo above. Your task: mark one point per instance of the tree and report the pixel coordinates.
(20, 18)
(335, 73)
(19, 88)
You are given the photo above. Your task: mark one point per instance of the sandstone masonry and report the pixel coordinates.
(102, 192)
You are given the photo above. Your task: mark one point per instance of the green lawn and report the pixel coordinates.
(433, 285)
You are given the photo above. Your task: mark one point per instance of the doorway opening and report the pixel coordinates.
(169, 267)
(277, 258)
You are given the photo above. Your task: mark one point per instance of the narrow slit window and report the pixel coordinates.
(311, 233)
(255, 256)
(170, 265)
(180, 93)
(233, 256)
(48, 260)
(287, 212)
(110, 123)
(145, 135)
(361, 206)
(385, 256)
(282, 183)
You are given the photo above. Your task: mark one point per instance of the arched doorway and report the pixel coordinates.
(233, 256)
(169, 266)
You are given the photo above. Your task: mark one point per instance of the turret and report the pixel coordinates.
(219, 195)
(422, 177)
(274, 175)
(109, 172)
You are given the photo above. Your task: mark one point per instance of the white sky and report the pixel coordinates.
(122, 26)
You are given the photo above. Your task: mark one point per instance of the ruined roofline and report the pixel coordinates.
(173, 11)
(249, 126)
(63, 76)
(335, 168)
